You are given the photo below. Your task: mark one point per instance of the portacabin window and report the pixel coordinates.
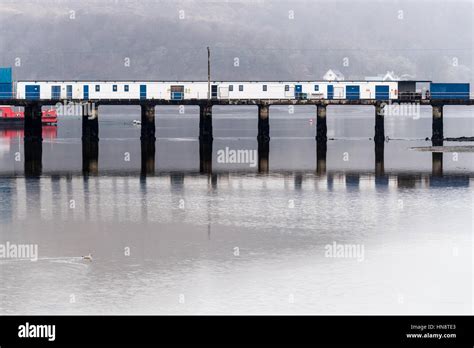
(97, 88)
(287, 88)
(125, 88)
(231, 88)
(114, 88)
(316, 88)
(264, 87)
(241, 88)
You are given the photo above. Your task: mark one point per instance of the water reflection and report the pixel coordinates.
(137, 194)
(183, 213)
(33, 146)
(90, 158)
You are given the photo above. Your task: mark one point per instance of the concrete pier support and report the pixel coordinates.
(379, 136)
(437, 134)
(205, 122)
(90, 123)
(33, 157)
(33, 125)
(437, 166)
(321, 126)
(379, 159)
(263, 123)
(148, 123)
(33, 140)
(263, 156)
(148, 151)
(321, 151)
(90, 156)
(90, 139)
(205, 156)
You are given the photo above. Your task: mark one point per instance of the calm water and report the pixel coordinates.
(239, 240)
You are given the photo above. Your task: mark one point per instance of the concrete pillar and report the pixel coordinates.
(90, 122)
(33, 157)
(33, 125)
(263, 123)
(437, 134)
(321, 127)
(205, 156)
(379, 136)
(148, 156)
(263, 156)
(321, 151)
(148, 123)
(437, 165)
(205, 122)
(90, 156)
(379, 159)
(33, 138)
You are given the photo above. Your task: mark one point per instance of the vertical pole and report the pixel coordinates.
(208, 73)
(321, 126)
(437, 127)
(379, 136)
(263, 123)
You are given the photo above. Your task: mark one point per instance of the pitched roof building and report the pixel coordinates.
(333, 75)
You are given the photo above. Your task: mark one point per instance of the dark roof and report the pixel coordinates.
(222, 81)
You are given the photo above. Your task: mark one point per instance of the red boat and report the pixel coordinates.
(9, 134)
(10, 116)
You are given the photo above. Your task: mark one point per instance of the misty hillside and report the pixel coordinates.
(270, 39)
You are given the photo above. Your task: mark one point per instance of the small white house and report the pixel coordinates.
(333, 75)
(388, 76)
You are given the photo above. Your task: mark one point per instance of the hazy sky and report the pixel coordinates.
(249, 40)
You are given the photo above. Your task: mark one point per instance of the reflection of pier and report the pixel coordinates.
(49, 195)
(90, 158)
(33, 146)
